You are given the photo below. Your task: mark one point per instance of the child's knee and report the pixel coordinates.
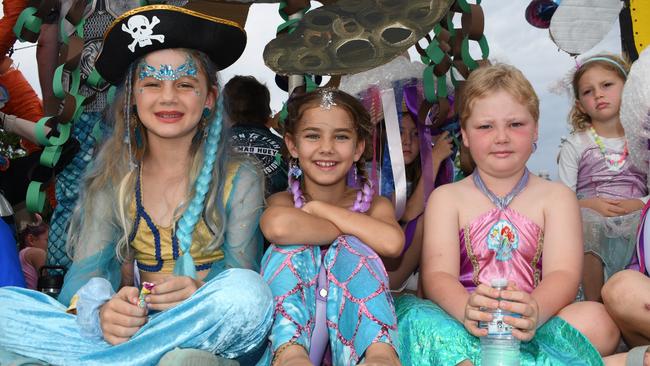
(355, 245)
(593, 321)
(244, 288)
(618, 293)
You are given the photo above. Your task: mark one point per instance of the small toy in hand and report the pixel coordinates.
(146, 290)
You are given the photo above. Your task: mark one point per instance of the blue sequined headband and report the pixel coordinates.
(167, 72)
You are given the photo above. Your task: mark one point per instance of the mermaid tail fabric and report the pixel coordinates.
(67, 188)
(430, 336)
(230, 316)
(499, 242)
(359, 304)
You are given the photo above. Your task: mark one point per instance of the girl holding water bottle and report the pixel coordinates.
(502, 250)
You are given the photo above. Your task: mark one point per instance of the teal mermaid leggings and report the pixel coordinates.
(360, 307)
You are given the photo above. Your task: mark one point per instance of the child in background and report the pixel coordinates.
(400, 269)
(32, 241)
(246, 102)
(594, 163)
(493, 224)
(324, 228)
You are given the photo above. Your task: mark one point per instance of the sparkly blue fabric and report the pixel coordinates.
(430, 336)
(229, 316)
(359, 305)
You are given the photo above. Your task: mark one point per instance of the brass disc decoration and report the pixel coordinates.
(352, 36)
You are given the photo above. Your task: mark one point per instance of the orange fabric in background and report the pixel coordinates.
(23, 101)
(11, 10)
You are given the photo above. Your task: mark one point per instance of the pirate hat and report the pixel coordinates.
(156, 27)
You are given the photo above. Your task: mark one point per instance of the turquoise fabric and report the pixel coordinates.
(242, 245)
(359, 304)
(430, 336)
(229, 316)
(67, 188)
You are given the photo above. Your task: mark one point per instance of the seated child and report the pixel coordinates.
(33, 251)
(401, 270)
(329, 283)
(594, 163)
(493, 224)
(163, 203)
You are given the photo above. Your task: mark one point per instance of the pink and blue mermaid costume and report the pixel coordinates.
(333, 300)
(499, 242)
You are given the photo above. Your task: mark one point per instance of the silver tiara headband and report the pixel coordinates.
(605, 59)
(327, 99)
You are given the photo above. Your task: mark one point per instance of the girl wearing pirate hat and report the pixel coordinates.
(163, 204)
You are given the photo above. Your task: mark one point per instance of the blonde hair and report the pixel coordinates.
(109, 183)
(578, 120)
(492, 78)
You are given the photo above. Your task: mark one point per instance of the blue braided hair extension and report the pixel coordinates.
(185, 227)
(128, 85)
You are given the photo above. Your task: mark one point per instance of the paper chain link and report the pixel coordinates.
(449, 49)
(72, 103)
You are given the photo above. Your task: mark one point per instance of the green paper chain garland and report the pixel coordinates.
(27, 28)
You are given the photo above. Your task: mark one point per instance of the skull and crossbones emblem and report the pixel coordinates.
(141, 29)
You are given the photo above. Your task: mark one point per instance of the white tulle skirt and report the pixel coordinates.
(612, 239)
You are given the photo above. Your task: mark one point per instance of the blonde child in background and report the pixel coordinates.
(494, 224)
(594, 163)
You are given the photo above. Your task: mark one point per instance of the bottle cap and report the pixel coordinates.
(499, 282)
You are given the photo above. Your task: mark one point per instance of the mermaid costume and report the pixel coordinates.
(499, 242)
(230, 315)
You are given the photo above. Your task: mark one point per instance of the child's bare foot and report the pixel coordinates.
(381, 354)
(293, 355)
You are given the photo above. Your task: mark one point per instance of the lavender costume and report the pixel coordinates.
(612, 239)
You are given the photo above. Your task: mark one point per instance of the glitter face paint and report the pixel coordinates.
(168, 72)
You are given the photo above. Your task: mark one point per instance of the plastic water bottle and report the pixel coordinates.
(499, 347)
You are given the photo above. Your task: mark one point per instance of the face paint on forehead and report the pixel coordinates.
(167, 72)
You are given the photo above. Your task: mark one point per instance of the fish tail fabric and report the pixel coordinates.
(360, 307)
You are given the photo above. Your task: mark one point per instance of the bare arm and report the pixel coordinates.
(415, 203)
(47, 54)
(440, 263)
(400, 269)
(377, 228)
(36, 257)
(283, 224)
(441, 151)
(21, 127)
